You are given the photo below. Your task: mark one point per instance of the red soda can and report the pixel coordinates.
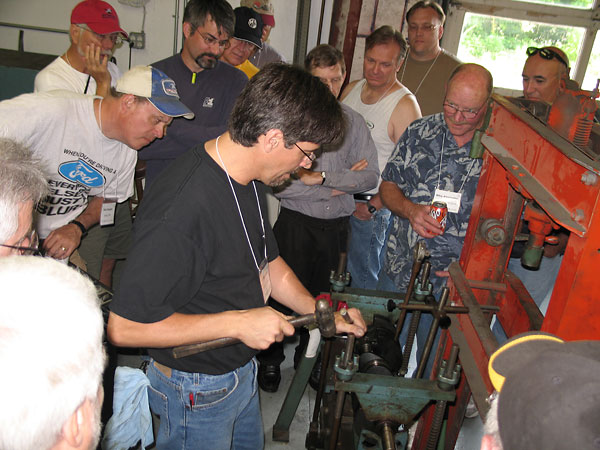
(439, 211)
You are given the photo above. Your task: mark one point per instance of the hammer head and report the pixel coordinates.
(325, 318)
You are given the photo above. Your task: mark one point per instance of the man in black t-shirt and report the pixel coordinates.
(204, 261)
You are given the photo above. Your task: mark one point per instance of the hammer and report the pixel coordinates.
(323, 317)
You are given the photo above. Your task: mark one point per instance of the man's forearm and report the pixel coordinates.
(288, 290)
(394, 199)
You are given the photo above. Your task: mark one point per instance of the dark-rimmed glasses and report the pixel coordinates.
(311, 156)
(546, 53)
(115, 38)
(468, 113)
(31, 238)
(209, 39)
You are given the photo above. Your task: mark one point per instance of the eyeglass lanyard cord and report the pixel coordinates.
(440, 171)
(262, 223)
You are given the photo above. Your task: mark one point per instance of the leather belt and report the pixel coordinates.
(363, 197)
(166, 371)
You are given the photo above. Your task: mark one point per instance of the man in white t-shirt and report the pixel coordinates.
(94, 32)
(87, 145)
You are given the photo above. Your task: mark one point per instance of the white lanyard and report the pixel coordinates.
(452, 199)
(262, 223)
(440, 171)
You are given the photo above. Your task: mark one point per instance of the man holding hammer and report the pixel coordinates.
(204, 261)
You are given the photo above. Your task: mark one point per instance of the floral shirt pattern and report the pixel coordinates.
(414, 166)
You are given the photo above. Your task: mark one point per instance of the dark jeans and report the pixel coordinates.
(311, 247)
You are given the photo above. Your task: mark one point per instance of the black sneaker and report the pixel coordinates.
(269, 378)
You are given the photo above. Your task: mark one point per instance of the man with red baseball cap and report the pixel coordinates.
(85, 66)
(265, 54)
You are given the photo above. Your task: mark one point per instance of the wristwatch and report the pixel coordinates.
(323, 176)
(371, 208)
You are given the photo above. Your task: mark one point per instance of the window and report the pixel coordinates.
(499, 44)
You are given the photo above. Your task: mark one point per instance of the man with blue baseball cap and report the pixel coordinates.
(88, 148)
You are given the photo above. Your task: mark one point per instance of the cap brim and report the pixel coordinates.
(106, 28)
(242, 36)
(517, 352)
(172, 107)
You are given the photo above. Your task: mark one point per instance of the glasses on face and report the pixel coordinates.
(468, 113)
(311, 156)
(427, 28)
(546, 53)
(114, 38)
(28, 245)
(210, 40)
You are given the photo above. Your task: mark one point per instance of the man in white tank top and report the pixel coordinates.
(388, 108)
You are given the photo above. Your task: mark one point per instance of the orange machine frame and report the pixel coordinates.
(523, 159)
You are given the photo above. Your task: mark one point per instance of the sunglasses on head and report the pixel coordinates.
(546, 53)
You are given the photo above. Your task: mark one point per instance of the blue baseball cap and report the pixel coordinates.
(158, 88)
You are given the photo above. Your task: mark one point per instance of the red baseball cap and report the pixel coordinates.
(98, 15)
(264, 8)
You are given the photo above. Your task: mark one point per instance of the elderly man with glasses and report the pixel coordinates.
(22, 185)
(431, 163)
(85, 66)
(208, 86)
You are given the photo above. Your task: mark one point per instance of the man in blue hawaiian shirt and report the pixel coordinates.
(430, 162)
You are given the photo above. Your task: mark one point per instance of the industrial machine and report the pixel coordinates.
(541, 166)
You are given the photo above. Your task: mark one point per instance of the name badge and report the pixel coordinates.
(265, 279)
(451, 199)
(107, 215)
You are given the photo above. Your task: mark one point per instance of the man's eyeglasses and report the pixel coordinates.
(115, 38)
(28, 245)
(546, 53)
(209, 39)
(468, 113)
(427, 28)
(311, 156)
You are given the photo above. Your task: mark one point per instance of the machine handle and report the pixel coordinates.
(192, 349)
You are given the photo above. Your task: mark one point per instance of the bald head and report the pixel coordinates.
(467, 92)
(545, 73)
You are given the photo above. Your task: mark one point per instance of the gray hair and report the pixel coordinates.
(490, 426)
(51, 351)
(21, 179)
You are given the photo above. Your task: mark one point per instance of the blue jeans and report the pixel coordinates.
(199, 411)
(365, 248)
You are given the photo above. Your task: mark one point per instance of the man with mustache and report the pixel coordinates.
(206, 85)
(85, 66)
(204, 262)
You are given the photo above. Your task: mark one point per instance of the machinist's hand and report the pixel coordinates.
(258, 328)
(422, 222)
(63, 241)
(358, 328)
